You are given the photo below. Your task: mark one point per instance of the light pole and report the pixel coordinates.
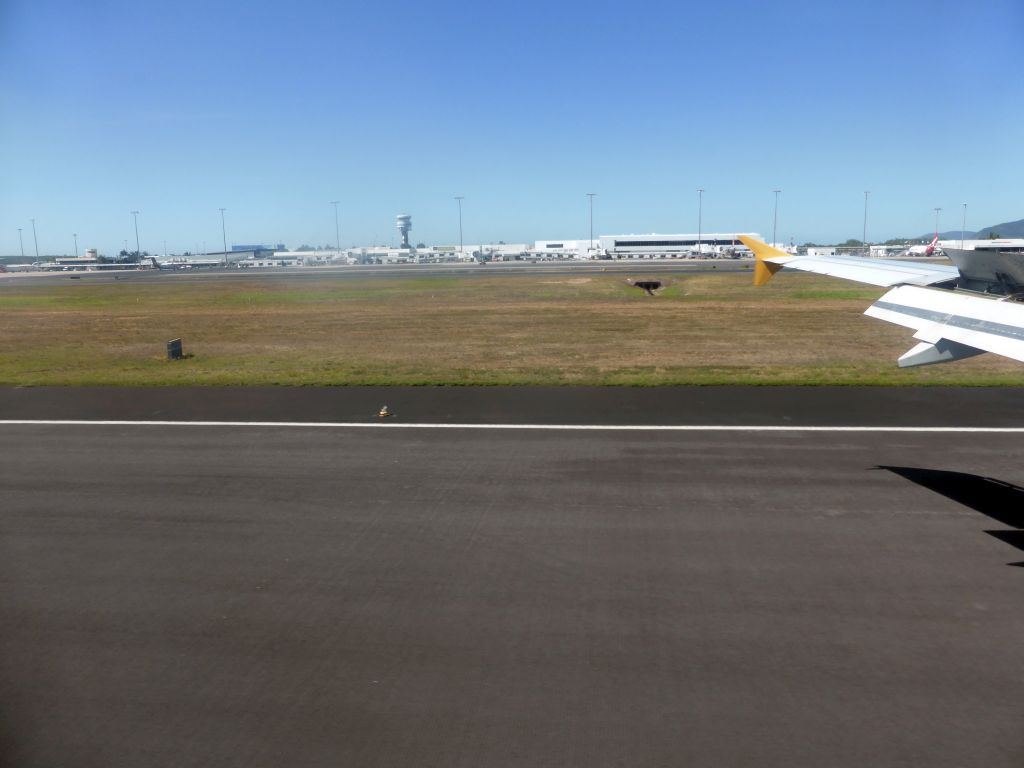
(224, 234)
(460, 198)
(591, 196)
(700, 221)
(864, 236)
(34, 238)
(963, 226)
(337, 232)
(775, 218)
(937, 221)
(75, 235)
(21, 244)
(138, 249)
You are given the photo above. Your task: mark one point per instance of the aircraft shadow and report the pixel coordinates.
(1001, 501)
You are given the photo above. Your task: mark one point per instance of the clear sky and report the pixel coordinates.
(272, 110)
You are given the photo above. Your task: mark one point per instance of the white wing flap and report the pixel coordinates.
(883, 272)
(972, 320)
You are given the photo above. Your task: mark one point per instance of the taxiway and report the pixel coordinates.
(268, 595)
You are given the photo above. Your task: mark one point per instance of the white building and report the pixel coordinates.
(655, 246)
(565, 249)
(306, 258)
(503, 251)
(282, 259)
(1002, 244)
(382, 254)
(821, 250)
(880, 251)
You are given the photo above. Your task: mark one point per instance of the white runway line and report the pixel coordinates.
(547, 427)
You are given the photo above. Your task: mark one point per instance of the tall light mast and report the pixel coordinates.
(775, 218)
(700, 222)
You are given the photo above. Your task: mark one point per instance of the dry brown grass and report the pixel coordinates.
(702, 329)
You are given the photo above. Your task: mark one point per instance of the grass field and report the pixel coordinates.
(701, 329)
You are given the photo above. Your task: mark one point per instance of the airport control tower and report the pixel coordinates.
(404, 223)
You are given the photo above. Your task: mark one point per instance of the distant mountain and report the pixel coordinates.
(953, 234)
(1006, 229)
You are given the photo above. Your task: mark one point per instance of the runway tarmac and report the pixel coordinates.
(265, 596)
(781, 406)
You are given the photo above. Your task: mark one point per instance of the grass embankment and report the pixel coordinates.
(701, 329)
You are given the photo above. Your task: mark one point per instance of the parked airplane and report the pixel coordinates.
(924, 250)
(955, 311)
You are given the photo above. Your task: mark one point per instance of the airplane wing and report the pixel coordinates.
(952, 325)
(883, 272)
(949, 324)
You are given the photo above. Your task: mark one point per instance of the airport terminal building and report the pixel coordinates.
(655, 246)
(1001, 245)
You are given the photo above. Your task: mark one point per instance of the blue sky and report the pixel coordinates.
(272, 110)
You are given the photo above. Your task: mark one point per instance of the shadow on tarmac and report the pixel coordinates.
(1000, 501)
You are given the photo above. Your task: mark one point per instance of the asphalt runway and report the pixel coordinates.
(765, 406)
(268, 595)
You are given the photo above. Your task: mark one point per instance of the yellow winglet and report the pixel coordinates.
(763, 270)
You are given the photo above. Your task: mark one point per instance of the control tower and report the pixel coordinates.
(404, 223)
